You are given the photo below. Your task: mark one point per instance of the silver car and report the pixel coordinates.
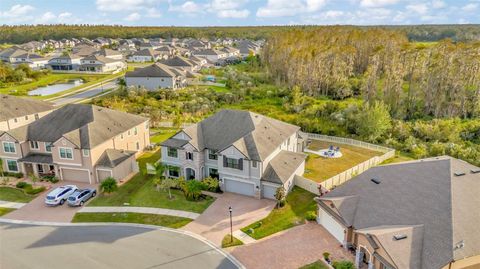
(59, 195)
(79, 197)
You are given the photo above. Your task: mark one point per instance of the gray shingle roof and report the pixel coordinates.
(113, 157)
(154, 70)
(13, 107)
(283, 166)
(37, 158)
(255, 135)
(174, 143)
(177, 61)
(424, 192)
(84, 125)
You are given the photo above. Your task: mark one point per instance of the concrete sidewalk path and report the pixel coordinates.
(144, 210)
(8, 204)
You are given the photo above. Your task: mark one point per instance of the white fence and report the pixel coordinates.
(339, 179)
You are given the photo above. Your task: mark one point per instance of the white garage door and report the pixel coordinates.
(75, 175)
(335, 228)
(239, 187)
(268, 191)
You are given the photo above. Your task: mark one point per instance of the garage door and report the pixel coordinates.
(268, 191)
(75, 175)
(103, 174)
(335, 228)
(239, 187)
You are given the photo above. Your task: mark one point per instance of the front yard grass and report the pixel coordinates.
(299, 202)
(152, 219)
(226, 242)
(319, 169)
(315, 265)
(4, 210)
(15, 195)
(140, 191)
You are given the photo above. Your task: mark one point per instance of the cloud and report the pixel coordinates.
(233, 13)
(133, 17)
(470, 7)
(228, 8)
(153, 13)
(438, 4)
(377, 3)
(418, 8)
(18, 14)
(188, 7)
(281, 8)
(125, 5)
(47, 17)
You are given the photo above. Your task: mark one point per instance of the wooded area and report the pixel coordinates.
(415, 80)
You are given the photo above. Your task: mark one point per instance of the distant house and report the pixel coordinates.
(145, 55)
(231, 51)
(420, 215)
(65, 62)
(16, 112)
(99, 63)
(211, 55)
(181, 63)
(84, 50)
(16, 56)
(156, 76)
(10, 55)
(248, 153)
(111, 54)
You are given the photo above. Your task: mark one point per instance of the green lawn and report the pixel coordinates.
(15, 195)
(140, 191)
(398, 159)
(162, 134)
(299, 202)
(152, 219)
(315, 265)
(4, 210)
(319, 169)
(226, 242)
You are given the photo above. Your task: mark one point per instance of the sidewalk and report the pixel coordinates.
(8, 204)
(144, 210)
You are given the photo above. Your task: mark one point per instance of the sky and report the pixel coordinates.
(239, 12)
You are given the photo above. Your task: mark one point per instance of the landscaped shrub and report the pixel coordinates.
(211, 184)
(33, 191)
(22, 184)
(311, 215)
(11, 174)
(280, 195)
(343, 265)
(192, 190)
(109, 185)
(326, 256)
(52, 179)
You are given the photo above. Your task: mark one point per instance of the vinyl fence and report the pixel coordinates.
(339, 179)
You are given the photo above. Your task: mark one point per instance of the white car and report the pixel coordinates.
(59, 195)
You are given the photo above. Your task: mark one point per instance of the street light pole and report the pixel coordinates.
(231, 226)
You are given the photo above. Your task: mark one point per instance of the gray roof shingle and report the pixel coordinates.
(13, 107)
(283, 166)
(113, 157)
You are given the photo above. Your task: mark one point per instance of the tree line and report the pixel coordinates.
(414, 80)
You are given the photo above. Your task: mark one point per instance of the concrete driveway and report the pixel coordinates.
(36, 210)
(214, 223)
(105, 246)
(291, 249)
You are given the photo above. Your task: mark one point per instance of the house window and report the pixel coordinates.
(9, 147)
(232, 163)
(86, 152)
(254, 164)
(172, 152)
(189, 155)
(173, 171)
(66, 153)
(33, 144)
(129, 133)
(15, 120)
(121, 136)
(138, 146)
(135, 131)
(36, 117)
(213, 172)
(48, 146)
(212, 155)
(147, 125)
(26, 117)
(12, 166)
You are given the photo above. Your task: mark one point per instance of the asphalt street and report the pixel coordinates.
(85, 94)
(104, 246)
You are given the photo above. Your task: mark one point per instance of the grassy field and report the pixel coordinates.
(152, 219)
(315, 265)
(299, 202)
(318, 168)
(161, 134)
(4, 210)
(14, 195)
(398, 158)
(226, 241)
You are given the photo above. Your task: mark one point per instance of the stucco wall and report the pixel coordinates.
(151, 83)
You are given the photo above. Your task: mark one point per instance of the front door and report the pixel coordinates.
(28, 169)
(40, 168)
(189, 174)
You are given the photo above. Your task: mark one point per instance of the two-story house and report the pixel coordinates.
(99, 63)
(65, 62)
(249, 153)
(16, 111)
(82, 143)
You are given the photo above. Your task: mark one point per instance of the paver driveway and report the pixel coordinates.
(291, 249)
(214, 223)
(36, 210)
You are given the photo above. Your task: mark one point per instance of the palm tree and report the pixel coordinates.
(160, 169)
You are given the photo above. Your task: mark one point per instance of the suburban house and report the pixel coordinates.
(248, 153)
(99, 63)
(16, 111)
(145, 55)
(65, 62)
(81, 143)
(181, 63)
(111, 54)
(421, 214)
(211, 55)
(156, 76)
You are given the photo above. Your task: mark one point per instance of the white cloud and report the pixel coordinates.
(332, 14)
(228, 8)
(64, 15)
(125, 5)
(47, 17)
(18, 14)
(470, 7)
(438, 4)
(281, 8)
(188, 7)
(233, 13)
(153, 13)
(226, 4)
(377, 3)
(133, 17)
(418, 8)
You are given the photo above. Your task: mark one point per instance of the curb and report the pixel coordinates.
(153, 227)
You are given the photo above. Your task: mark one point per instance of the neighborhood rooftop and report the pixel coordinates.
(14, 107)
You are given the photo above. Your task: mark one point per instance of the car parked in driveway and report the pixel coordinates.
(59, 195)
(80, 197)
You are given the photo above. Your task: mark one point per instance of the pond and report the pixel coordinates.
(55, 88)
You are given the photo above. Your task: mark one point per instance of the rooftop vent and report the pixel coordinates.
(375, 180)
(459, 174)
(475, 171)
(399, 237)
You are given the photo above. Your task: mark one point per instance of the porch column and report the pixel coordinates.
(370, 263)
(358, 258)
(35, 169)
